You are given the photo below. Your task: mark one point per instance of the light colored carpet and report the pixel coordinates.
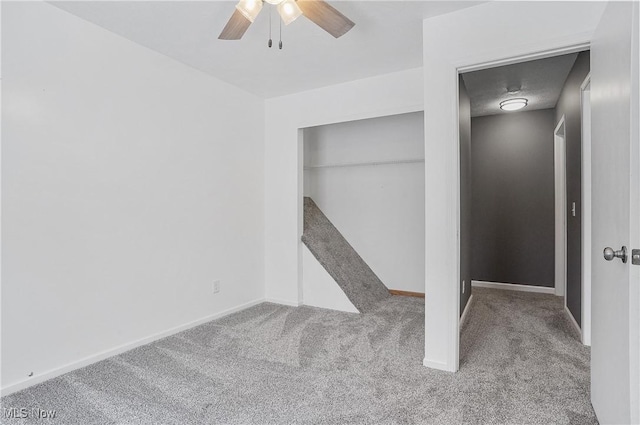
(359, 283)
(521, 362)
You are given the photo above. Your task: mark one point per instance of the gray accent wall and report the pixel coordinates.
(465, 195)
(569, 107)
(512, 199)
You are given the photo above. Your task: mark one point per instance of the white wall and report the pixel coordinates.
(130, 183)
(319, 288)
(384, 95)
(500, 33)
(377, 201)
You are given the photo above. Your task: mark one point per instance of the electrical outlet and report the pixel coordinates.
(464, 285)
(216, 286)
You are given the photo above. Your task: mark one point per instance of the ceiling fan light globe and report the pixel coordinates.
(289, 11)
(274, 2)
(249, 8)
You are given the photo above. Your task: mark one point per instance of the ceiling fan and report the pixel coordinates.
(318, 11)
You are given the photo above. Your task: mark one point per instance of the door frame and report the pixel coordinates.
(570, 47)
(446, 51)
(585, 120)
(560, 208)
(554, 28)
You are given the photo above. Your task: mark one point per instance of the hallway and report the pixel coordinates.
(271, 364)
(533, 366)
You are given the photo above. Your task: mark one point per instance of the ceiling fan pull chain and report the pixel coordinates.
(280, 44)
(270, 41)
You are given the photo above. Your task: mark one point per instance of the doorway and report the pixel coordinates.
(528, 167)
(363, 197)
(613, 28)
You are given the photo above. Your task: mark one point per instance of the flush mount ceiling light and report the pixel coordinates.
(513, 104)
(318, 11)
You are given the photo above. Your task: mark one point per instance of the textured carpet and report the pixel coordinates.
(340, 260)
(521, 362)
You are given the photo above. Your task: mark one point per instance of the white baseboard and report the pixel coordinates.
(53, 373)
(513, 287)
(466, 311)
(436, 365)
(283, 302)
(573, 320)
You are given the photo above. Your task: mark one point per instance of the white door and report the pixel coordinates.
(616, 214)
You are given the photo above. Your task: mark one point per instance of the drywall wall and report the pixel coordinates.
(390, 94)
(464, 117)
(130, 183)
(367, 177)
(319, 288)
(569, 106)
(513, 198)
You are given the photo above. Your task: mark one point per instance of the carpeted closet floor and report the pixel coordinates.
(520, 362)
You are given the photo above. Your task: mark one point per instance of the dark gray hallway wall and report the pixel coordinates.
(569, 107)
(512, 201)
(465, 195)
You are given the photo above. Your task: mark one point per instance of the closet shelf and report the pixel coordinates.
(369, 163)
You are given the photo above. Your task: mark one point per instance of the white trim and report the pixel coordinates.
(586, 213)
(560, 208)
(574, 48)
(436, 365)
(283, 302)
(53, 373)
(300, 216)
(586, 82)
(512, 287)
(573, 320)
(466, 310)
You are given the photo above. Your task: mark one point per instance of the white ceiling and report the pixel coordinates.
(387, 38)
(541, 82)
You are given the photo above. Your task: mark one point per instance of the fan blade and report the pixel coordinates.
(236, 27)
(325, 16)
